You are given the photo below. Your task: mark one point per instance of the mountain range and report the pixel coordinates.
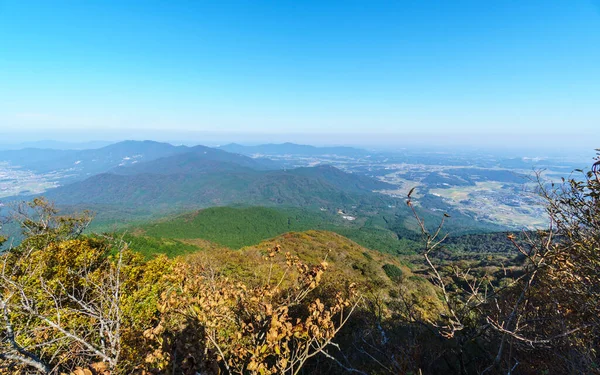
(162, 177)
(191, 180)
(135, 181)
(75, 165)
(292, 149)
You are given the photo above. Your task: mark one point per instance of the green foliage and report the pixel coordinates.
(70, 301)
(236, 227)
(89, 305)
(151, 246)
(222, 184)
(482, 243)
(393, 272)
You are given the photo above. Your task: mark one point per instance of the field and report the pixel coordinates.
(494, 201)
(16, 181)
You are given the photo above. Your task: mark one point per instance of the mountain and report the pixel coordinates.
(209, 178)
(348, 261)
(236, 227)
(86, 162)
(343, 180)
(74, 165)
(292, 149)
(204, 177)
(188, 163)
(213, 184)
(374, 273)
(198, 159)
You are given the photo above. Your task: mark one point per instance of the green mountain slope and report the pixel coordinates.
(236, 227)
(374, 273)
(348, 261)
(201, 190)
(189, 181)
(338, 178)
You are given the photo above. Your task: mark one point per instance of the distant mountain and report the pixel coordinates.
(75, 165)
(292, 149)
(198, 159)
(216, 178)
(91, 161)
(183, 164)
(212, 188)
(340, 179)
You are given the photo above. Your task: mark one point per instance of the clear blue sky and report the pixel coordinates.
(492, 69)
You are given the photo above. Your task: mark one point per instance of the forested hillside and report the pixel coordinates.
(172, 296)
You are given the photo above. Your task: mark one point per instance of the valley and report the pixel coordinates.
(490, 189)
(493, 188)
(16, 181)
(322, 222)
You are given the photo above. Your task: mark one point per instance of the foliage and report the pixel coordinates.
(249, 330)
(69, 301)
(393, 271)
(236, 227)
(152, 246)
(554, 310)
(89, 305)
(543, 318)
(311, 302)
(482, 243)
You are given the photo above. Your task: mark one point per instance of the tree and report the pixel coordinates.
(554, 310)
(248, 329)
(72, 301)
(548, 317)
(88, 304)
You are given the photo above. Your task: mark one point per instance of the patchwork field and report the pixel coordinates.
(495, 201)
(16, 181)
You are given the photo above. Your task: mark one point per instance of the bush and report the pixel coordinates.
(393, 272)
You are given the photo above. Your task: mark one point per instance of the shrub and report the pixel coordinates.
(393, 272)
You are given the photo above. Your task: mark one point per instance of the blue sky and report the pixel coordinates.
(481, 71)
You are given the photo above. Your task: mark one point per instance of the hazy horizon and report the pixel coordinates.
(535, 146)
(378, 73)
